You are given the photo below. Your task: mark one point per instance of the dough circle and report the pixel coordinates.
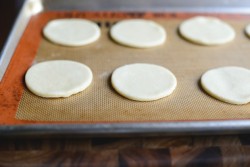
(247, 30)
(143, 82)
(207, 31)
(229, 84)
(72, 32)
(58, 78)
(138, 33)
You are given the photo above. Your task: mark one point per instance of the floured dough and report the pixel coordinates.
(72, 32)
(138, 33)
(143, 82)
(247, 29)
(207, 31)
(58, 78)
(229, 84)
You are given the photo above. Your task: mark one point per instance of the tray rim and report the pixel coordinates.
(128, 129)
(32, 7)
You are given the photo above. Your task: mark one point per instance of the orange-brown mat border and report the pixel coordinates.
(12, 84)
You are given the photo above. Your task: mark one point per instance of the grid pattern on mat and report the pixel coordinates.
(100, 103)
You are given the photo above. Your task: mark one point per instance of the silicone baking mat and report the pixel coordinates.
(100, 103)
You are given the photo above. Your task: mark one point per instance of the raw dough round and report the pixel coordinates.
(58, 78)
(138, 33)
(207, 31)
(143, 82)
(247, 29)
(229, 84)
(72, 32)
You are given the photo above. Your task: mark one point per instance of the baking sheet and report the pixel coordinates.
(100, 103)
(12, 85)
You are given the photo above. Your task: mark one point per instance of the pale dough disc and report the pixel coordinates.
(229, 84)
(207, 31)
(138, 33)
(58, 78)
(143, 82)
(72, 32)
(247, 29)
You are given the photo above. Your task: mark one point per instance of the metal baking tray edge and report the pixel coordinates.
(32, 7)
(129, 129)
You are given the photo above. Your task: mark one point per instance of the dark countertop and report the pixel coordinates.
(210, 151)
